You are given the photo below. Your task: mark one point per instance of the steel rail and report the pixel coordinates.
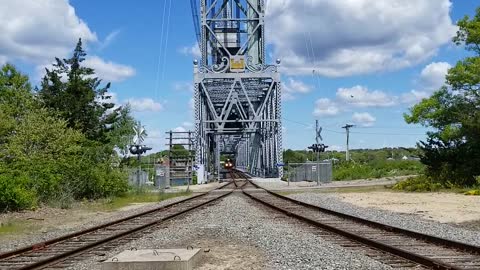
(60, 257)
(420, 259)
(425, 237)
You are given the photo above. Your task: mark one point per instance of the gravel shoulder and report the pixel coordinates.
(412, 220)
(306, 186)
(240, 234)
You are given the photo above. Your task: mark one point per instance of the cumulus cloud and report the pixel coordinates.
(292, 87)
(183, 86)
(363, 119)
(109, 71)
(37, 31)
(342, 38)
(356, 96)
(431, 78)
(326, 107)
(193, 50)
(144, 105)
(361, 96)
(414, 96)
(433, 75)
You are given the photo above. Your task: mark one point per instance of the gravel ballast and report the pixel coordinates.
(405, 221)
(240, 234)
(36, 236)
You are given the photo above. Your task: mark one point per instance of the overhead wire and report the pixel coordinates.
(356, 132)
(166, 39)
(159, 58)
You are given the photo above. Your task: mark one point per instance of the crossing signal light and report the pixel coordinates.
(318, 147)
(139, 149)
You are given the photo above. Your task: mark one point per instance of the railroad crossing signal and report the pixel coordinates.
(139, 149)
(318, 147)
(319, 134)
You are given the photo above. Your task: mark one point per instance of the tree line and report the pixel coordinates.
(62, 140)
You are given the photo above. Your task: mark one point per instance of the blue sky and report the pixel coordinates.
(152, 68)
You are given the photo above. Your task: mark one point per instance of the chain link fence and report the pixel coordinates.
(310, 171)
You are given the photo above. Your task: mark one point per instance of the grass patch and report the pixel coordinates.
(134, 197)
(473, 192)
(424, 183)
(375, 169)
(11, 227)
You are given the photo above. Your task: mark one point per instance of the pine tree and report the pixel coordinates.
(77, 95)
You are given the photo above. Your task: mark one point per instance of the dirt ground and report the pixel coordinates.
(225, 255)
(20, 224)
(441, 207)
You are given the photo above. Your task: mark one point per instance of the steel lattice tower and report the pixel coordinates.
(237, 95)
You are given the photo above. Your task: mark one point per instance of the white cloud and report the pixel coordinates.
(3, 60)
(364, 119)
(144, 105)
(357, 96)
(109, 71)
(335, 148)
(361, 96)
(342, 38)
(325, 107)
(291, 87)
(193, 50)
(37, 31)
(433, 75)
(109, 39)
(431, 78)
(414, 96)
(191, 104)
(187, 124)
(183, 86)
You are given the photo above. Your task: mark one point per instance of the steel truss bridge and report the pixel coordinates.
(237, 94)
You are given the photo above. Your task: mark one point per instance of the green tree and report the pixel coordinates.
(73, 90)
(121, 135)
(452, 150)
(42, 159)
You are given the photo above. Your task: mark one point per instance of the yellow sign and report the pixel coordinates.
(237, 63)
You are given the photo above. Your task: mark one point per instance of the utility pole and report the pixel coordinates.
(318, 138)
(347, 128)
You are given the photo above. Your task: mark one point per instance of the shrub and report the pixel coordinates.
(15, 193)
(419, 184)
(473, 192)
(375, 169)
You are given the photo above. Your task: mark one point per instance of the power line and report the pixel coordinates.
(356, 132)
(390, 134)
(160, 54)
(166, 39)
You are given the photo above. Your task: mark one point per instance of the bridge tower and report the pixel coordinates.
(237, 94)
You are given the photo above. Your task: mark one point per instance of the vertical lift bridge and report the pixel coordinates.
(237, 95)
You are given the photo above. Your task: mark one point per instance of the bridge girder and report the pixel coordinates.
(237, 96)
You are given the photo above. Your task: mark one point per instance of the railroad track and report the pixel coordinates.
(394, 246)
(61, 252)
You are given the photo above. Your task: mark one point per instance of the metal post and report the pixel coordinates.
(138, 170)
(318, 153)
(347, 128)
